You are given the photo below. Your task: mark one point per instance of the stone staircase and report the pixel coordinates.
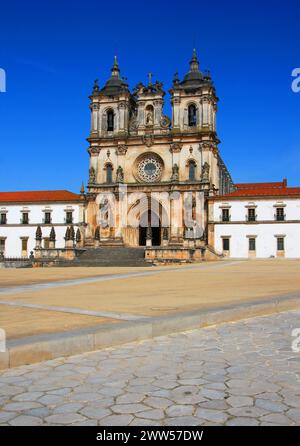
(110, 256)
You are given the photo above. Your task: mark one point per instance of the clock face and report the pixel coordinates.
(149, 169)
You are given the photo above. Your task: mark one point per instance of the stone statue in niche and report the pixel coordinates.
(149, 118)
(92, 175)
(175, 173)
(120, 175)
(205, 172)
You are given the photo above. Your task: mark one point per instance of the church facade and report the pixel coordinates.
(156, 182)
(168, 167)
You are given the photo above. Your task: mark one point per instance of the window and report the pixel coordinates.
(110, 121)
(109, 173)
(252, 244)
(280, 244)
(192, 170)
(69, 217)
(47, 218)
(46, 242)
(280, 214)
(226, 244)
(2, 245)
(192, 115)
(24, 244)
(3, 219)
(251, 214)
(25, 218)
(225, 215)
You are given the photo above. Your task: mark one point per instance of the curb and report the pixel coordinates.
(39, 348)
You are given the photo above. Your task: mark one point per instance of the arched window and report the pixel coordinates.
(192, 115)
(110, 120)
(109, 170)
(192, 170)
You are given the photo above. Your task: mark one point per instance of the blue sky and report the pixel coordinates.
(53, 50)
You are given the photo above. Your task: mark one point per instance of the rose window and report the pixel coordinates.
(149, 169)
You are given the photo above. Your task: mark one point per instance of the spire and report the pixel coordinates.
(82, 188)
(194, 62)
(115, 71)
(52, 234)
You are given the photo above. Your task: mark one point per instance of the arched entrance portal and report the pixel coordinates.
(150, 219)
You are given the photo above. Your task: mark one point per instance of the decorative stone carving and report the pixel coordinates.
(175, 147)
(67, 234)
(94, 150)
(175, 173)
(97, 233)
(165, 122)
(92, 175)
(52, 236)
(120, 175)
(133, 123)
(72, 233)
(38, 233)
(78, 236)
(149, 118)
(148, 139)
(95, 87)
(149, 168)
(205, 173)
(121, 149)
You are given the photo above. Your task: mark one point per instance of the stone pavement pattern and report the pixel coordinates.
(234, 374)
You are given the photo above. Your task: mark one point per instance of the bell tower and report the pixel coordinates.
(110, 106)
(194, 108)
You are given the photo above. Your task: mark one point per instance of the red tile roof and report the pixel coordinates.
(38, 196)
(275, 189)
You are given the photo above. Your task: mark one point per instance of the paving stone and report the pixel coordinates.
(65, 418)
(212, 394)
(95, 412)
(270, 406)
(28, 396)
(186, 395)
(242, 421)
(50, 400)
(211, 415)
(128, 408)
(247, 411)
(6, 416)
(276, 418)
(294, 414)
(214, 404)
(68, 407)
(130, 398)
(21, 406)
(179, 410)
(145, 422)
(84, 397)
(157, 402)
(269, 396)
(26, 420)
(116, 420)
(152, 414)
(183, 421)
(40, 412)
(239, 401)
